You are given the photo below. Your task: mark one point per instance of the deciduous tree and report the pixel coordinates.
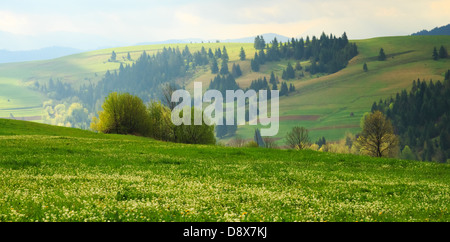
(122, 113)
(377, 137)
(298, 138)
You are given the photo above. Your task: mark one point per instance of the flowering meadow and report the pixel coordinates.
(50, 173)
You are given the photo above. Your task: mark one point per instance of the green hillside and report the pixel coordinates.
(321, 103)
(51, 173)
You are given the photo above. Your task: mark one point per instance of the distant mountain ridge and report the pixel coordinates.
(7, 56)
(268, 37)
(444, 30)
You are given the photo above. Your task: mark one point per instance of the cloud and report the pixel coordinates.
(13, 23)
(136, 21)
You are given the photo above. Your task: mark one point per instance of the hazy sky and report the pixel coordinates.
(28, 24)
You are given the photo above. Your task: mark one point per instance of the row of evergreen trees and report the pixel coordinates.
(422, 118)
(262, 84)
(442, 53)
(327, 54)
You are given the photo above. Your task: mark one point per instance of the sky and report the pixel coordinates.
(89, 24)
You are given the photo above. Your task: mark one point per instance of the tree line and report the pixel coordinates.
(421, 117)
(327, 54)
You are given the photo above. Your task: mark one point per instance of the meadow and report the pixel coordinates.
(51, 173)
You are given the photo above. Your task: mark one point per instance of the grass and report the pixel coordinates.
(53, 173)
(333, 97)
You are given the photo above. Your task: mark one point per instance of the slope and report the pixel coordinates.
(54, 173)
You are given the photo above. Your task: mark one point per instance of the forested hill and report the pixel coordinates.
(444, 30)
(422, 119)
(146, 75)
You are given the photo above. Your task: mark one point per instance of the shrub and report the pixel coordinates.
(122, 113)
(194, 134)
(161, 126)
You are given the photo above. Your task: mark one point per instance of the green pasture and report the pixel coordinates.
(51, 173)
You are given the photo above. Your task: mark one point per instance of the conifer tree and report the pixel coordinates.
(113, 57)
(254, 65)
(224, 68)
(381, 55)
(272, 79)
(274, 86)
(284, 89)
(218, 53)
(225, 56)
(242, 54)
(435, 54)
(214, 66)
(291, 88)
(259, 43)
(236, 70)
(443, 52)
(290, 73)
(258, 138)
(210, 53)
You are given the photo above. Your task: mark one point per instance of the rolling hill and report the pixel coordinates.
(52, 173)
(328, 105)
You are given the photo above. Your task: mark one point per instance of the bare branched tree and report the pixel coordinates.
(167, 91)
(270, 142)
(298, 138)
(377, 137)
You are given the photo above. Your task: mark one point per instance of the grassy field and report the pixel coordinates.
(330, 97)
(51, 173)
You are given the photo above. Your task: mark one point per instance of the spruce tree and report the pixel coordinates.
(113, 57)
(225, 56)
(214, 66)
(242, 54)
(443, 52)
(272, 79)
(274, 86)
(381, 55)
(435, 54)
(210, 53)
(365, 67)
(258, 138)
(284, 75)
(290, 73)
(254, 65)
(259, 43)
(236, 70)
(224, 68)
(218, 53)
(284, 89)
(291, 88)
